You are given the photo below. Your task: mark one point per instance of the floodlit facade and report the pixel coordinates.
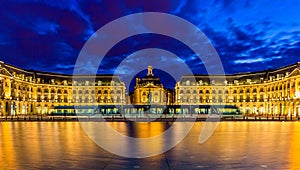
(274, 92)
(150, 91)
(31, 92)
(267, 92)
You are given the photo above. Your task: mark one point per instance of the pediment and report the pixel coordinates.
(5, 72)
(295, 72)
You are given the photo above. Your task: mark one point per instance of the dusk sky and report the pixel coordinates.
(248, 35)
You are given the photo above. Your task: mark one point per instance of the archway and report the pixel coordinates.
(7, 108)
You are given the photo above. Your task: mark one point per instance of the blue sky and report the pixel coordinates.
(248, 35)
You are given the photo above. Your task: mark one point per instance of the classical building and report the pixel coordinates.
(30, 92)
(149, 90)
(265, 92)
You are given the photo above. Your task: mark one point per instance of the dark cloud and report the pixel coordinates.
(248, 35)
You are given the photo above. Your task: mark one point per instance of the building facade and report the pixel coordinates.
(274, 92)
(267, 92)
(30, 92)
(149, 90)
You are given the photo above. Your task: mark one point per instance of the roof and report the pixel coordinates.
(242, 77)
(150, 79)
(47, 76)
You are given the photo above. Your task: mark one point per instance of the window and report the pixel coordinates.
(261, 98)
(214, 99)
(201, 99)
(248, 98)
(234, 98)
(65, 99)
(254, 98)
(39, 98)
(241, 98)
(220, 99)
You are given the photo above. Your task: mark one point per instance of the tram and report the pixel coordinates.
(223, 110)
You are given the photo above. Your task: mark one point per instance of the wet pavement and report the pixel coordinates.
(234, 145)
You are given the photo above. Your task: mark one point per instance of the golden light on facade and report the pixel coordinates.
(265, 92)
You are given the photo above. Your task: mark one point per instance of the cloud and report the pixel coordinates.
(50, 34)
(254, 60)
(43, 27)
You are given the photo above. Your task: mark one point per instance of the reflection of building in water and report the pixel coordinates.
(149, 90)
(265, 92)
(28, 92)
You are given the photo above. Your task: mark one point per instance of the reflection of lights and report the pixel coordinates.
(297, 94)
(294, 147)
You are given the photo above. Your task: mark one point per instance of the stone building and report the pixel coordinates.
(150, 91)
(265, 92)
(31, 92)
